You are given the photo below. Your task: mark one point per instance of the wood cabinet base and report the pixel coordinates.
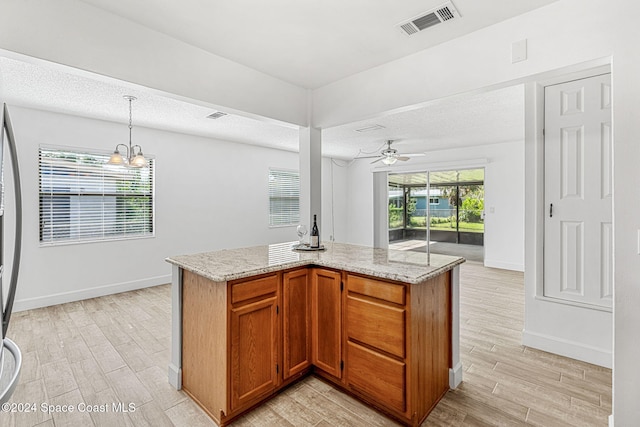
(386, 343)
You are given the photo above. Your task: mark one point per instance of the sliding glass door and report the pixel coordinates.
(452, 204)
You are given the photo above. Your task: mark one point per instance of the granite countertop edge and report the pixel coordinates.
(183, 262)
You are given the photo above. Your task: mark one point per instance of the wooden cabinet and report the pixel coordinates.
(296, 320)
(326, 320)
(254, 340)
(375, 325)
(385, 342)
(204, 343)
(398, 351)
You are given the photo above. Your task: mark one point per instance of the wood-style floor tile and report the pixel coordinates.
(89, 377)
(155, 380)
(74, 418)
(128, 387)
(150, 415)
(188, 413)
(33, 392)
(117, 348)
(58, 378)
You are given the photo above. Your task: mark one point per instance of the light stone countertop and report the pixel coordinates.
(403, 266)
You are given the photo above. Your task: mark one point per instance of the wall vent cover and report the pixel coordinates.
(442, 13)
(216, 115)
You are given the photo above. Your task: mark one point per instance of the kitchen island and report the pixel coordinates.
(381, 325)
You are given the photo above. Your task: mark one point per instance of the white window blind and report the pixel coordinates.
(82, 198)
(284, 197)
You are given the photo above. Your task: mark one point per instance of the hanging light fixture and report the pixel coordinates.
(389, 160)
(133, 159)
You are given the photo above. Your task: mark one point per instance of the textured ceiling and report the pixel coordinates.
(485, 118)
(306, 43)
(309, 43)
(463, 121)
(49, 88)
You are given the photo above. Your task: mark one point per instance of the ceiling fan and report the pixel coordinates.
(389, 155)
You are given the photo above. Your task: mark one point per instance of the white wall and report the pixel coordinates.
(562, 34)
(504, 191)
(478, 60)
(360, 203)
(210, 195)
(77, 34)
(334, 201)
(577, 331)
(565, 35)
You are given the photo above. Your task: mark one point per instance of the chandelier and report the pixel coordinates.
(133, 158)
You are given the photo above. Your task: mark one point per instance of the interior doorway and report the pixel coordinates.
(578, 239)
(450, 203)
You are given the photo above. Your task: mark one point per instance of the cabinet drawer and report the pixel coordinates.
(379, 325)
(376, 289)
(376, 375)
(242, 291)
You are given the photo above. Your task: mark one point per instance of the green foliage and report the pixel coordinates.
(418, 221)
(395, 216)
(442, 219)
(411, 207)
(472, 208)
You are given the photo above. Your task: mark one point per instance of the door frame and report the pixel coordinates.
(590, 342)
(594, 74)
(381, 190)
(534, 144)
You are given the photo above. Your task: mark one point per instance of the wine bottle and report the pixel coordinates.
(315, 235)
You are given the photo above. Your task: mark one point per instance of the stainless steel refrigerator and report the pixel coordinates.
(10, 356)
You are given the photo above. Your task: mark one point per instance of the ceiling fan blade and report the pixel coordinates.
(377, 160)
(403, 158)
(367, 157)
(414, 154)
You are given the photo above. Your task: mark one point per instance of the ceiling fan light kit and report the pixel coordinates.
(389, 160)
(390, 156)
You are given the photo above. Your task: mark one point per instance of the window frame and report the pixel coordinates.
(270, 214)
(93, 239)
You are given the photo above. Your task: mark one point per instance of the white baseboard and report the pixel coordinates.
(572, 349)
(455, 376)
(611, 420)
(64, 297)
(503, 265)
(175, 376)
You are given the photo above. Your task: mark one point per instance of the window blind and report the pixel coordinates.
(284, 197)
(82, 198)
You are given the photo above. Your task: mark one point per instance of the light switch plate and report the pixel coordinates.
(518, 51)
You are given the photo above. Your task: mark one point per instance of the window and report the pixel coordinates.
(82, 198)
(434, 201)
(284, 197)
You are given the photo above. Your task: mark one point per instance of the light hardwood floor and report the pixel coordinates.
(116, 349)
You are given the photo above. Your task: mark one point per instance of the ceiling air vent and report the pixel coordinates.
(216, 115)
(370, 128)
(444, 12)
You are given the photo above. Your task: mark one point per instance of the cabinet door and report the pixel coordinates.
(296, 322)
(254, 338)
(375, 328)
(326, 321)
(379, 376)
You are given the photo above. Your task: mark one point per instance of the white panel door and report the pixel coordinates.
(578, 233)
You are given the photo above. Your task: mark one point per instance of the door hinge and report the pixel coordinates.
(277, 369)
(341, 286)
(277, 309)
(543, 132)
(342, 365)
